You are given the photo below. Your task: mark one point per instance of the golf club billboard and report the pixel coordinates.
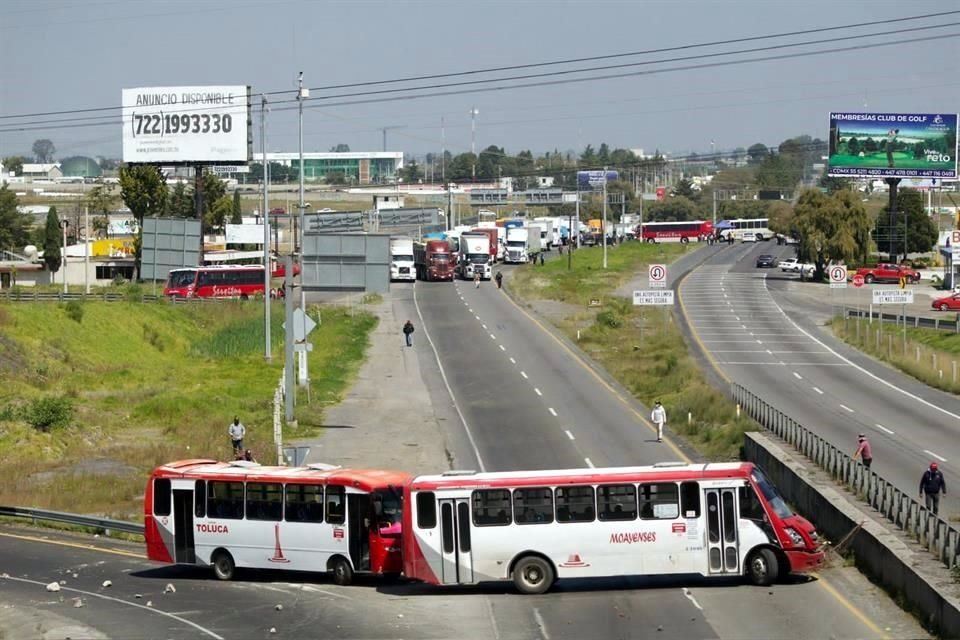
(893, 145)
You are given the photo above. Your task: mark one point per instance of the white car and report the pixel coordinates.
(790, 265)
(749, 236)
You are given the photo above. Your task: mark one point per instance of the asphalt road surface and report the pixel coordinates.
(766, 337)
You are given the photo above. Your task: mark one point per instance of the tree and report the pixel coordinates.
(757, 152)
(180, 202)
(43, 150)
(144, 191)
(685, 189)
(101, 199)
(833, 183)
(216, 216)
(411, 172)
(14, 226)
(921, 231)
(236, 213)
(51, 241)
(672, 209)
(13, 164)
(588, 156)
(830, 227)
(340, 147)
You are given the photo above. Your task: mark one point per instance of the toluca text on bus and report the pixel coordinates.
(684, 232)
(716, 520)
(240, 514)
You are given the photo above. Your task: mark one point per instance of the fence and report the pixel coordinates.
(900, 508)
(944, 323)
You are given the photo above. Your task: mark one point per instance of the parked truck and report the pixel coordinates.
(885, 272)
(474, 256)
(433, 260)
(401, 259)
(494, 234)
(516, 245)
(535, 233)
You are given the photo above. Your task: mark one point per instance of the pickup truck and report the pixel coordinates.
(793, 265)
(888, 273)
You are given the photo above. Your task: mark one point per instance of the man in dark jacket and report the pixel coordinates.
(408, 333)
(931, 484)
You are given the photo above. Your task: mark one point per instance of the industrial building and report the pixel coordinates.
(369, 167)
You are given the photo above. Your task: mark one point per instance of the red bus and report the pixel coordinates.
(231, 515)
(240, 281)
(533, 527)
(696, 230)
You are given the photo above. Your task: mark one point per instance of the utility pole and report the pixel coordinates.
(443, 155)
(64, 224)
(265, 216)
(603, 224)
(714, 208)
(86, 250)
(473, 132)
(449, 207)
(385, 129)
(302, 94)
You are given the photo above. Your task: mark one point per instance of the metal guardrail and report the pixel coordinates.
(37, 296)
(899, 507)
(104, 524)
(944, 323)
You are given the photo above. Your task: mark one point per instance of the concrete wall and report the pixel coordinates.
(905, 570)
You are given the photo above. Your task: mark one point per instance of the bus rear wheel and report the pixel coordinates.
(533, 575)
(763, 567)
(223, 565)
(342, 571)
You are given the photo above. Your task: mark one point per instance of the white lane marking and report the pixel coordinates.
(862, 370)
(537, 391)
(512, 361)
(493, 337)
(524, 374)
(469, 309)
(797, 376)
(92, 594)
(446, 383)
(552, 412)
(569, 435)
(941, 459)
(502, 348)
(482, 325)
(846, 408)
(589, 464)
(883, 428)
(686, 592)
(493, 619)
(817, 389)
(541, 624)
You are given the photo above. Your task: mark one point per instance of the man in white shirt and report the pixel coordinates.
(237, 431)
(659, 417)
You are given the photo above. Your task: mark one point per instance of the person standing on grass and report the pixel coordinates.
(931, 484)
(408, 333)
(237, 431)
(659, 417)
(864, 451)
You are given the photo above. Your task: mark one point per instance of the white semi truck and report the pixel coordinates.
(474, 256)
(516, 245)
(535, 236)
(402, 266)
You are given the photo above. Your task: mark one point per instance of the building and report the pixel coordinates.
(49, 171)
(371, 167)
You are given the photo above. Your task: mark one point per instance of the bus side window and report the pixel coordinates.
(199, 501)
(659, 501)
(491, 507)
(690, 499)
(533, 505)
(264, 501)
(336, 514)
(225, 500)
(617, 502)
(304, 503)
(750, 507)
(575, 504)
(426, 510)
(161, 497)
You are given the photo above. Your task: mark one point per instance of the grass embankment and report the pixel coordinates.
(931, 356)
(641, 347)
(96, 394)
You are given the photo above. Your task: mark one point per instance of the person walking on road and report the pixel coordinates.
(931, 484)
(499, 278)
(476, 279)
(864, 451)
(408, 333)
(659, 417)
(237, 431)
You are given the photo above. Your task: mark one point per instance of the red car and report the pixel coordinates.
(947, 303)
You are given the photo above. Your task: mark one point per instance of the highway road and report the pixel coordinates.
(764, 335)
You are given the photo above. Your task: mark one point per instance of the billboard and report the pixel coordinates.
(588, 180)
(893, 145)
(171, 125)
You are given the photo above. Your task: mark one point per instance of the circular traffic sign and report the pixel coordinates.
(858, 281)
(657, 272)
(838, 273)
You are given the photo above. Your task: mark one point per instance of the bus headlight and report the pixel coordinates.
(795, 536)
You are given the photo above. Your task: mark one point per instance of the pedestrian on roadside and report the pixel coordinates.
(560, 249)
(408, 333)
(237, 431)
(476, 279)
(499, 278)
(659, 417)
(541, 257)
(931, 484)
(864, 451)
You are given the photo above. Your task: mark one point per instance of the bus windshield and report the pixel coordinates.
(773, 497)
(390, 510)
(179, 279)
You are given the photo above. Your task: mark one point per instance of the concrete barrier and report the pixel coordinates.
(906, 570)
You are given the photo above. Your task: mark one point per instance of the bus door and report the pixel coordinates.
(184, 550)
(455, 544)
(723, 539)
(359, 521)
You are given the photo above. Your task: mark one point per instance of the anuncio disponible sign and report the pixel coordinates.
(187, 124)
(893, 145)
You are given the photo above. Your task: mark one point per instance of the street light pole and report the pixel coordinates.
(265, 215)
(603, 225)
(473, 130)
(63, 261)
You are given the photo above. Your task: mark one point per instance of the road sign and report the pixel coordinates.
(656, 297)
(858, 281)
(658, 275)
(955, 244)
(838, 276)
(892, 296)
(302, 325)
(303, 346)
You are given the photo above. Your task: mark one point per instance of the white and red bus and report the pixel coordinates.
(716, 519)
(241, 514)
(686, 231)
(240, 281)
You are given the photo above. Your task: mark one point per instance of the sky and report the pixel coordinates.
(67, 55)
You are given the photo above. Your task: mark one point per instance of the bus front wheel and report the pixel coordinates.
(532, 575)
(342, 571)
(223, 566)
(763, 567)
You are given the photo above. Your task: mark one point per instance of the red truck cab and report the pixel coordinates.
(887, 272)
(433, 260)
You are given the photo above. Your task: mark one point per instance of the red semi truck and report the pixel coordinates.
(433, 260)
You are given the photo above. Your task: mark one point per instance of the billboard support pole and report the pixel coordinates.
(265, 214)
(892, 208)
(198, 203)
(603, 225)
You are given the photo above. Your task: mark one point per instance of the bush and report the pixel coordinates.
(153, 337)
(609, 319)
(49, 413)
(74, 311)
(133, 293)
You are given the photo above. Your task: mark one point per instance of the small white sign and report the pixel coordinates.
(658, 275)
(657, 297)
(838, 276)
(892, 296)
(302, 325)
(955, 244)
(244, 234)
